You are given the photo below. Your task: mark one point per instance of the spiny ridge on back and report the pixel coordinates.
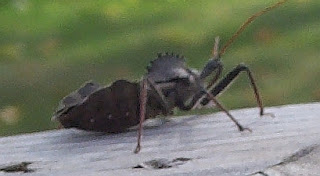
(167, 66)
(164, 59)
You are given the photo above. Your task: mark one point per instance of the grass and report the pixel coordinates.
(49, 48)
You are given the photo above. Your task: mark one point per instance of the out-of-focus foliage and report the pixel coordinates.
(49, 48)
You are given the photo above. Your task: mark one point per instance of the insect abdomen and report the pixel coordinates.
(110, 109)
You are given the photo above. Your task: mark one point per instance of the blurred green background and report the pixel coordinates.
(49, 48)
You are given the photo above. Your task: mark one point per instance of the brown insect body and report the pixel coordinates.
(116, 107)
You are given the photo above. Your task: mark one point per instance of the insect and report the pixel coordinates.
(168, 84)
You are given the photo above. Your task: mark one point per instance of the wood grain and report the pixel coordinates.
(211, 142)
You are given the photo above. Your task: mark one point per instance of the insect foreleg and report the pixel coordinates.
(220, 106)
(211, 66)
(214, 64)
(229, 78)
(200, 95)
(193, 103)
(219, 69)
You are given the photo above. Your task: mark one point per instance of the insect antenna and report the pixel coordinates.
(215, 51)
(246, 23)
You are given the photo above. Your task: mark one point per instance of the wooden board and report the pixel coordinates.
(189, 145)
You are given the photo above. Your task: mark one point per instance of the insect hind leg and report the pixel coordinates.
(142, 110)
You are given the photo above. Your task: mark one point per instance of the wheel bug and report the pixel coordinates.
(168, 84)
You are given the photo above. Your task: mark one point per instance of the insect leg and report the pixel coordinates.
(210, 97)
(219, 69)
(143, 101)
(226, 81)
(220, 106)
(213, 64)
(192, 103)
(160, 97)
(199, 96)
(210, 67)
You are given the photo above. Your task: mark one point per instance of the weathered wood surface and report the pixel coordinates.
(286, 144)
